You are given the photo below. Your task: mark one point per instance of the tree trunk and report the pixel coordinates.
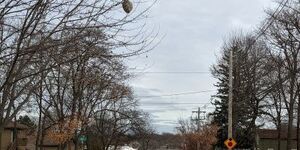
(69, 145)
(38, 132)
(298, 119)
(39, 129)
(290, 129)
(279, 135)
(1, 132)
(43, 134)
(291, 107)
(298, 124)
(75, 141)
(147, 144)
(15, 133)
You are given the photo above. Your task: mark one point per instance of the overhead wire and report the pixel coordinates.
(171, 103)
(271, 20)
(176, 94)
(261, 32)
(265, 27)
(171, 72)
(278, 10)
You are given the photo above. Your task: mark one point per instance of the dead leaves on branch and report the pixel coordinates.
(64, 130)
(206, 137)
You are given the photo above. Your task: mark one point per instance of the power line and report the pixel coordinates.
(275, 13)
(188, 99)
(282, 4)
(176, 94)
(169, 108)
(171, 72)
(170, 103)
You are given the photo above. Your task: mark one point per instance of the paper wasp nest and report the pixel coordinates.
(127, 6)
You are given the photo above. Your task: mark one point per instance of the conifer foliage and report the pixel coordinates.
(247, 95)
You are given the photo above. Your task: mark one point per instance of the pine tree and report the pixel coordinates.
(245, 91)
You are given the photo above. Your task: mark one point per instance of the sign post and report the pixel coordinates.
(82, 139)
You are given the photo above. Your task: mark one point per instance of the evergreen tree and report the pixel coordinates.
(246, 88)
(26, 121)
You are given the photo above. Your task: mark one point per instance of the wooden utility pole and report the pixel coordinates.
(198, 120)
(230, 96)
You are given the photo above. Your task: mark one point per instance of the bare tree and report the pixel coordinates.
(35, 42)
(206, 136)
(114, 123)
(142, 129)
(283, 38)
(76, 90)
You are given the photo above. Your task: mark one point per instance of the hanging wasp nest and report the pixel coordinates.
(127, 6)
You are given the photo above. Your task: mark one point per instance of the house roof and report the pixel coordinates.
(19, 126)
(273, 134)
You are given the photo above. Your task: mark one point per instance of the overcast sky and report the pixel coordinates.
(193, 31)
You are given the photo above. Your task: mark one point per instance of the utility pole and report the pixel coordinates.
(198, 120)
(230, 95)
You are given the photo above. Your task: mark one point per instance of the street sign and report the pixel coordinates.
(82, 138)
(230, 143)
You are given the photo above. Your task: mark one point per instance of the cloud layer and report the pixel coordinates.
(193, 33)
